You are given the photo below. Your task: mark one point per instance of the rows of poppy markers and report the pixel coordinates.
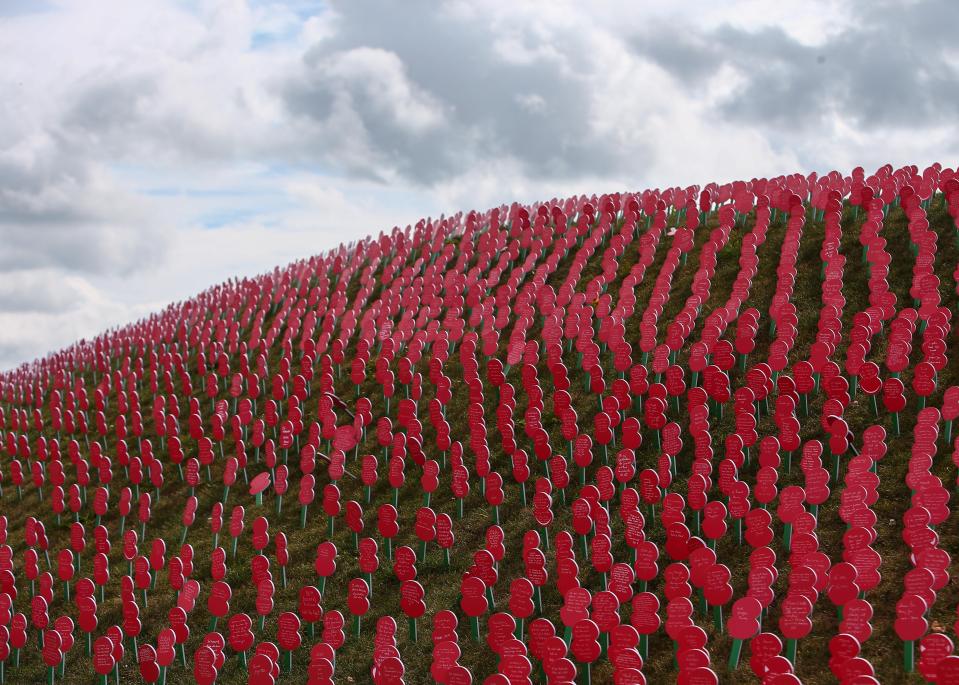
(484, 295)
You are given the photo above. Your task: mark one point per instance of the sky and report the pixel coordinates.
(151, 149)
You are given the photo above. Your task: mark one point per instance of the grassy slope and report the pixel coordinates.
(883, 649)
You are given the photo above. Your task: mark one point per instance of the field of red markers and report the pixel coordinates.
(698, 435)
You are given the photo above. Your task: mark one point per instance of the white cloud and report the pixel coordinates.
(381, 77)
(532, 102)
(42, 310)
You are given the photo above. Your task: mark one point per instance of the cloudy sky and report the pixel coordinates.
(150, 149)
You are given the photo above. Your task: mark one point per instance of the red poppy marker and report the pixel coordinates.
(412, 604)
(258, 485)
(742, 625)
(288, 635)
(325, 564)
(473, 602)
(103, 660)
(910, 626)
(585, 644)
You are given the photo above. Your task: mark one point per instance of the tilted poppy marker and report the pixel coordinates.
(258, 485)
